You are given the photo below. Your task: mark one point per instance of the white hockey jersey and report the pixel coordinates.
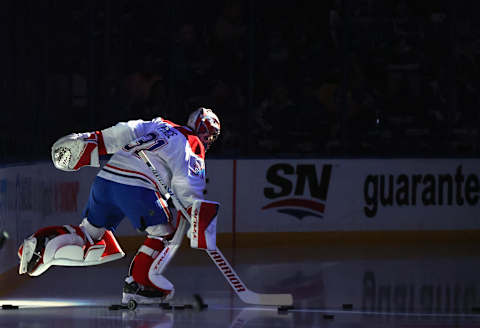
(176, 152)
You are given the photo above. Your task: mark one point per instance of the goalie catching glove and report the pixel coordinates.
(76, 150)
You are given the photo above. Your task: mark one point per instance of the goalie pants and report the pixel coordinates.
(110, 202)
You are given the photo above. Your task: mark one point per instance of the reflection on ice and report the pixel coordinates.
(36, 303)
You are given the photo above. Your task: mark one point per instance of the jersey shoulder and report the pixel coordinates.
(171, 130)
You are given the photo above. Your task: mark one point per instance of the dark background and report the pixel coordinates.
(376, 78)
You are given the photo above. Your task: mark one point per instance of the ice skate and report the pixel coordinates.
(134, 293)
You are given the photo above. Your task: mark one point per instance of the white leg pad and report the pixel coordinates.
(161, 261)
(28, 249)
(94, 253)
(68, 249)
(69, 253)
(160, 281)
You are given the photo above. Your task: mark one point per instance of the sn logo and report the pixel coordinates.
(291, 182)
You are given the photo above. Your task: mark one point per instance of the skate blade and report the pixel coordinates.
(144, 300)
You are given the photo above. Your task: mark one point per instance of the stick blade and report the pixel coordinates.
(245, 294)
(266, 299)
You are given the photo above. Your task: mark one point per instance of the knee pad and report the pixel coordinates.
(95, 233)
(160, 230)
(147, 265)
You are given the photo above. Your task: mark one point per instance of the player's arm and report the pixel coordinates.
(76, 150)
(185, 170)
(188, 183)
(188, 178)
(189, 186)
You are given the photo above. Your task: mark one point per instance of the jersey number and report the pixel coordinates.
(150, 142)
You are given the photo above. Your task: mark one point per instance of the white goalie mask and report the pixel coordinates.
(206, 125)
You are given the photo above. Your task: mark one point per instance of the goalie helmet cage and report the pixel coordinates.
(242, 291)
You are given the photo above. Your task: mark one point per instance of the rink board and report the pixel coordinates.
(354, 198)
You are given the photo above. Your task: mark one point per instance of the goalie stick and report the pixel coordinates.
(245, 294)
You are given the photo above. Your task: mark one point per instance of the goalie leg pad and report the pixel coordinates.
(153, 257)
(144, 267)
(65, 245)
(105, 250)
(37, 252)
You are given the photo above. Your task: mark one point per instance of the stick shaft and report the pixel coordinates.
(165, 190)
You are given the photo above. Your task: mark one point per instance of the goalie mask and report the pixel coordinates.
(205, 124)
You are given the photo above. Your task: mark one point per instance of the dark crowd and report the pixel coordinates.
(369, 78)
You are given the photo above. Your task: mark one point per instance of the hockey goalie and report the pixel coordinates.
(125, 187)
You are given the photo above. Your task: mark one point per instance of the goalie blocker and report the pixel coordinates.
(203, 229)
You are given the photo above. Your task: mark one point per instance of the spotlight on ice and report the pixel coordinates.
(39, 303)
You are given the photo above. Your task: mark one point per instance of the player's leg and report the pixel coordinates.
(148, 212)
(108, 204)
(90, 243)
(102, 214)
